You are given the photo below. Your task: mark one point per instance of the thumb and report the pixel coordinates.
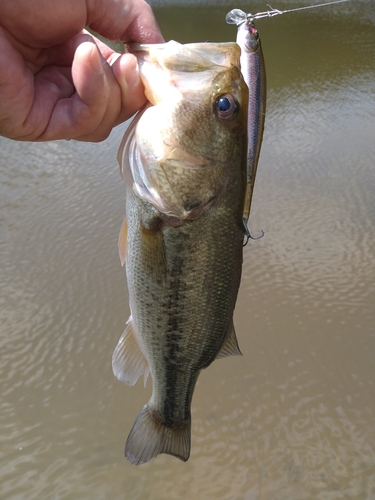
(89, 114)
(126, 72)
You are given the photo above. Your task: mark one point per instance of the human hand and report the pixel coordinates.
(59, 82)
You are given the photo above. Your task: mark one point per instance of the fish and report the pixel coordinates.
(254, 73)
(184, 163)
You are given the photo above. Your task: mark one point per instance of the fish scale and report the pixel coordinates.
(187, 305)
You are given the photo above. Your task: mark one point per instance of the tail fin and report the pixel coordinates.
(149, 437)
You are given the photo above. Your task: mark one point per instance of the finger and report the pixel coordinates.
(63, 54)
(125, 69)
(85, 113)
(130, 21)
(16, 88)
(26, 102)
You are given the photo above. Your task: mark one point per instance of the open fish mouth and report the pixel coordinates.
(168, 138)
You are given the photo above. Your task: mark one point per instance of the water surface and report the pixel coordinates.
(294, 418)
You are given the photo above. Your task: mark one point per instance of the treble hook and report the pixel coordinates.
(248, 235)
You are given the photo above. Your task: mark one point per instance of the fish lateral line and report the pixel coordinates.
(238, 17)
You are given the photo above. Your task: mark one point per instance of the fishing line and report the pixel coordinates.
(236, 16)
(309, 6)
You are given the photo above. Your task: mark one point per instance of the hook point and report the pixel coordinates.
(248, 235)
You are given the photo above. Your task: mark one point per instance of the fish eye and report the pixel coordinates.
(226, 106)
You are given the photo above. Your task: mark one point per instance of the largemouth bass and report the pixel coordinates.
(184, 162)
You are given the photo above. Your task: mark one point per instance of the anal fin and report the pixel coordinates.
(128, 361)
(230, 346)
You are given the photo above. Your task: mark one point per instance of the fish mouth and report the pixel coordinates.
(188, 57)
(176, 151)
(162, 66)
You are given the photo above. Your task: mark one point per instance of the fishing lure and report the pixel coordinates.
(254, 74)
(253, 71)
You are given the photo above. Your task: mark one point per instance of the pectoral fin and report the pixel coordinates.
(128, 361)
(123, 241)
(230, 346)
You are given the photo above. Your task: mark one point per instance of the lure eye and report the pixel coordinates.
(226, 106)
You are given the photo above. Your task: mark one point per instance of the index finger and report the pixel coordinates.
(125, 20)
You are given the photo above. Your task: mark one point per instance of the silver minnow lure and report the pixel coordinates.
(254, 74)
(253, 71)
